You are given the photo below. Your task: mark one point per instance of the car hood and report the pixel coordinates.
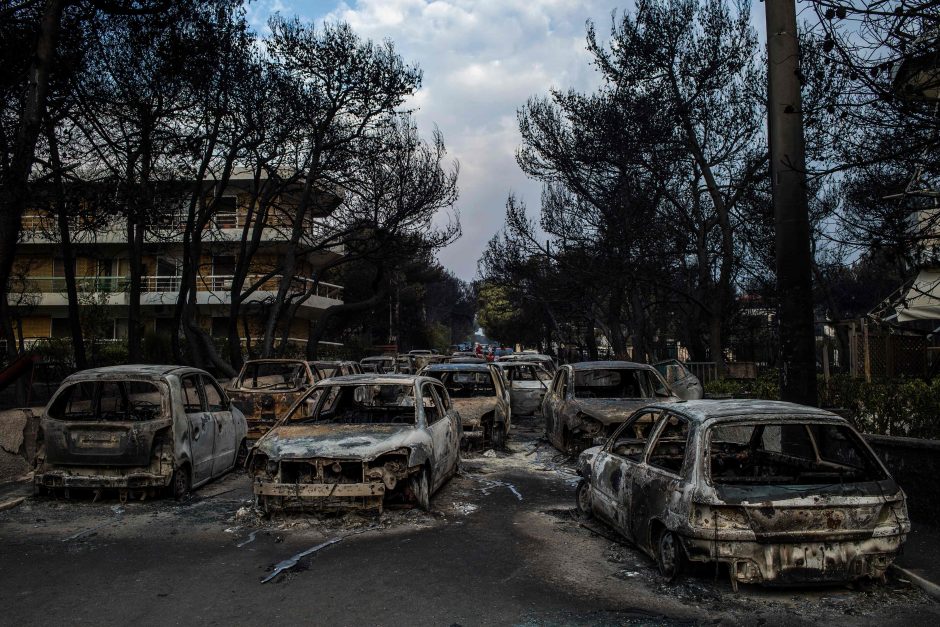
(472, 409)
(363, 442)
(611, 410)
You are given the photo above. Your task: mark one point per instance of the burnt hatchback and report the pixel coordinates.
(779, 493)
(266, 388)
(359, 442)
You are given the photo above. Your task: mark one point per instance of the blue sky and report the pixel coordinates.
(481, 60)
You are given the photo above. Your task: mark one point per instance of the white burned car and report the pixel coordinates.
(779, 493)
(359, 442)
(138, 429)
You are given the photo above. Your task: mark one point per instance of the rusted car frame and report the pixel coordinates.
(357, 442)
(480, 394)
(327, 369)
(380, 364)
(777, 492)
(266, 388)
(137, 429)
(588, 400)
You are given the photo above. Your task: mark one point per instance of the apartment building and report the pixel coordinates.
(38, 290)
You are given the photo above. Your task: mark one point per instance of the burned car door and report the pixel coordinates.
(225, 447)
(527, 386)
(440, 431)
(455, 429)
(657, 488)
(201, 427)
(615, 467)
(553, 405)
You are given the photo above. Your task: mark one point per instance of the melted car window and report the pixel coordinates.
(465, 384)
(366, 404)
(789, 454)
(630, 440)
(621, 383)
(274, 376)
(112, 401)
(669, 451)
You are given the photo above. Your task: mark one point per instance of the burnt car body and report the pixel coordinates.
(780, 493)
(481, 397)
(381, 364)
(681, 380)
(545, 360)
(327, 369)
(138, 429)
(588, 400)
(527, 382)
(359, 442)
(266, 388)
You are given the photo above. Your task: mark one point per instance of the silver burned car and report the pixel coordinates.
(589, 399)
(138, 429)
(359, 442)
(528, 382)
(779, 493)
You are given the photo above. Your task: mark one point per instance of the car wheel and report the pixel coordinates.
(583, 498)
(181, 483)
(241, 456)
(421, 489)
(499, 437)
(668, 555)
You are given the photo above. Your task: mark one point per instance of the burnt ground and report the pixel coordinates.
(503, 545)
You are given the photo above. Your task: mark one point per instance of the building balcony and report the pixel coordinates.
(157, 290)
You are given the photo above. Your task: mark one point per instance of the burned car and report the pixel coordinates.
(481, 397)
(683, 383)
(779, 493)
(589, 400)
(527, 382)
(138, 429)
(266, 388)
(361, 442)
(327, 369)
(381, 364)
(545, 361)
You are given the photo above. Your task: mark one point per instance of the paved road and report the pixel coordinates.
(503, 546)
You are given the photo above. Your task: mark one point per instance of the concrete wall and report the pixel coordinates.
(915, 465)
(18, 429)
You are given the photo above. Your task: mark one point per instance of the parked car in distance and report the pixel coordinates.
(359, 442)
(527, 382)
(380, 364)
(779, 493)
(545, 361)
(138, 429)
(468, 360)
(588, 400)
(266, 388)
(481, 397)
(327, 369)
(683, 383)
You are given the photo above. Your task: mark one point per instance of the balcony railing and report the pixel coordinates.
(169, 283)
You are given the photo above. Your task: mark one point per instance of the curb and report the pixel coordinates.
(924, 584)
(10, 504)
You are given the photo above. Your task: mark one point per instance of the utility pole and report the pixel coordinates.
(791, 211)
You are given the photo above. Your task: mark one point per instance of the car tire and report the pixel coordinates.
(181, 483)
(499, 437)
(421, 489)
(669, 556)
(582, 498)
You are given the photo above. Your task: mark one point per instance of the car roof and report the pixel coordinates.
(607, 365)
(709, 409)
(452, 367)
(138, 371)
(378, 357)
(377, 379)
(518, 362)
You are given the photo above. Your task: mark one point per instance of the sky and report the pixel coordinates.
(482, 59)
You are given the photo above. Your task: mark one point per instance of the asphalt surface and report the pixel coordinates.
(502, 545)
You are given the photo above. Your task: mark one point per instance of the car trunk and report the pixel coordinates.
(101, 443)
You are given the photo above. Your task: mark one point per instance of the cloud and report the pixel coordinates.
(482, 59)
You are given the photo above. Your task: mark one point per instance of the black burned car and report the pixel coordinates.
(359, 442)
(588, 400)
(138, 429)
(777, 492)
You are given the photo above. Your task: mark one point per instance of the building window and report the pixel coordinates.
(226, 212)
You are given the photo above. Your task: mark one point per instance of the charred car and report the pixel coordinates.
(481, 397)
(327, 369)
(545, 361)
(587, 401)
(779, 493)
(527, 382)
(266, 388)
(683, 383)
(381, 364)
(359, 442)
(137, 429)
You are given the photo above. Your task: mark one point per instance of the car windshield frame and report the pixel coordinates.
(161, 412)
(650, 373)
(450, 373)
(323, 393)
(273, 387)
